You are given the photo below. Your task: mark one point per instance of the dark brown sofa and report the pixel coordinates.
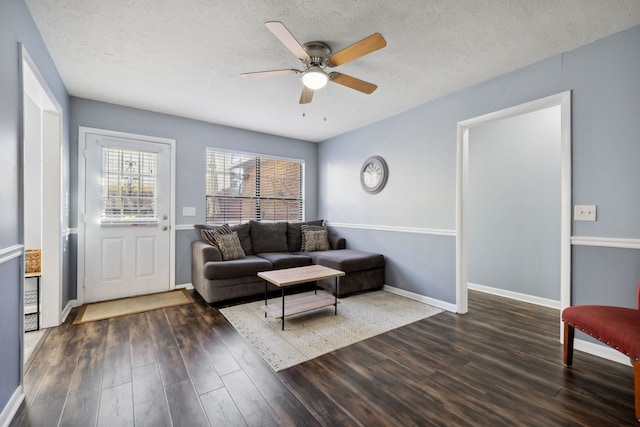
(273, 246)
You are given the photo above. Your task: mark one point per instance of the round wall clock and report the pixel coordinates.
(374, 174)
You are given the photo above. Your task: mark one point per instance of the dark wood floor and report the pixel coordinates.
(186, 366)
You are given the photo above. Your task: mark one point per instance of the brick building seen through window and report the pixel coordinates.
(242, 187)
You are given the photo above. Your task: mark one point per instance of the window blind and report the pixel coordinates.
(242, 187)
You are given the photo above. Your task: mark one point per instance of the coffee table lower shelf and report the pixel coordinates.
(294, 276)
(300, 305)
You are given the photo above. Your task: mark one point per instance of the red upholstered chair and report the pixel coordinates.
(617, 327)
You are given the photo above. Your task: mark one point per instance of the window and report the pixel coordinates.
(243, 187)
(129, 185)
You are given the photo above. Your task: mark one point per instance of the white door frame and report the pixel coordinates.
(82, 210)
(55, 225)
(563, 100)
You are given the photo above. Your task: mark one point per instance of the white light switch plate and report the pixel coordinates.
(188, 211)
(584, 212)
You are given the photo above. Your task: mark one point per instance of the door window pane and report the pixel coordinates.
(129, 185)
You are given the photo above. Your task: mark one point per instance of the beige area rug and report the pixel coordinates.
(315, 333)
(122, 307)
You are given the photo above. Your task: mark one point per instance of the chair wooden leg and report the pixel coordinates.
(567, 354)
(636, 387)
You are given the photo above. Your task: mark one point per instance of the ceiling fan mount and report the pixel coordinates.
(319, 53)
(316, 56)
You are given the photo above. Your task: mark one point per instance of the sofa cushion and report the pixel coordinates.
(294, 234)
(286, 260)
(248, 266)
(268, 237)
(229, 245)
(348, 260)
(314, 239)
(244, 236)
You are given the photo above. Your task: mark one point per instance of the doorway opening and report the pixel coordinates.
(42, 192)
(563, 100)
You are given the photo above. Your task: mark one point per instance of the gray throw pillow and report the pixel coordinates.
(314, 238)
(294, 234)
(229, 245)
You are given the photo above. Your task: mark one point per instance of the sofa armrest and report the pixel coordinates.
(203, 252)
(336, 242)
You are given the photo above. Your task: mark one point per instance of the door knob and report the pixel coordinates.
(165, 228)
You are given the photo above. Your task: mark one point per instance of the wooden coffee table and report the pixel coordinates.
(295, 276)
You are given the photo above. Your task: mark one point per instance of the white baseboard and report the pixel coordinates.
(187, 286)
(9, 411)
(67, 309)
(601, 350)
(421, 298)
(515, 295)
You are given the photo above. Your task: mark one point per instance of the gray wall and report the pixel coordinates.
(16, 26)
(513, 207)
(420, 148)
(192, 137)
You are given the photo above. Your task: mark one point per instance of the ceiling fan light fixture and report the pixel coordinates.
(314, 78)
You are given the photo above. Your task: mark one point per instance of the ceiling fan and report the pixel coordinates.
(316, 56)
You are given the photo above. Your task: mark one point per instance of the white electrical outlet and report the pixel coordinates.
(188, 211)
(584, 212)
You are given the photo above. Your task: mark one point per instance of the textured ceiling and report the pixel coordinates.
(184, 57)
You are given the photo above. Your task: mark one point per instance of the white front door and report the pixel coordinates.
(127, 240)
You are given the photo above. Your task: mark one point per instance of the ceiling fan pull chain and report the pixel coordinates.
(324, 102)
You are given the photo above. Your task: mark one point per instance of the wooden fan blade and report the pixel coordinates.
(306, 96)
(352, 82)
(365, 46)
(269, 73)
(280, 31)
